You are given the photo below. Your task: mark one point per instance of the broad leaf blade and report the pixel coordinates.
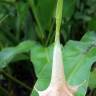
(42, 59)
(77, 62)
(7, 55)
(78, 58)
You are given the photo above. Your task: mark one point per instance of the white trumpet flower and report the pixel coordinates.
(58, 85)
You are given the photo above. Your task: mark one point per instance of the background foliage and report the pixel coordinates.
(34, 20)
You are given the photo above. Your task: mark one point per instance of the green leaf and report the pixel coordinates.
(22, 13)
(8, 54)
(92, 24)
(89, 37)
(43, 12)
(77, 57)
(92, 80)
(42, 59)
(68, 8)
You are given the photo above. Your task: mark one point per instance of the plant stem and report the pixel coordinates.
(17, 81)
(58, 19)
(4, 90)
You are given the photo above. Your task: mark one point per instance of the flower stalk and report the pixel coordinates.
(58, 19)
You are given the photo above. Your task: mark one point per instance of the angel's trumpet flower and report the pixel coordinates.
(58, 85)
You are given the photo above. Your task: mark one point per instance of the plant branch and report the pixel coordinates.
(4, 90)
(16, 80)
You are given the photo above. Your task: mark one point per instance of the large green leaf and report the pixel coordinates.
(77, 61)
(78, 58)
(8, 54)
(42, 59)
